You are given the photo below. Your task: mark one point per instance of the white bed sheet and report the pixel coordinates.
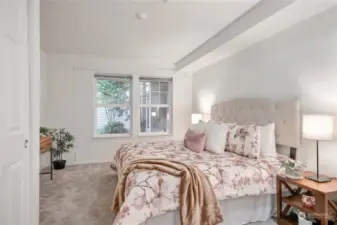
(237, 211)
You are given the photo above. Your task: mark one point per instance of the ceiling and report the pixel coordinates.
(249, 32)
(109, 28)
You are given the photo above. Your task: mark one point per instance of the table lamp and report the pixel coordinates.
(318, 128)
(206, 117)
(195, 118)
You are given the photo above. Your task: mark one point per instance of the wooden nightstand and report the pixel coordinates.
(324, 209)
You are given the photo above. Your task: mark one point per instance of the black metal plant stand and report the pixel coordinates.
(51, 166)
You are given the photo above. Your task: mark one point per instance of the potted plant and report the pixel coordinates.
(293, 169)
(64, 141)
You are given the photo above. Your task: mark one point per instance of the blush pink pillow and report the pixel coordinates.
(194, 141)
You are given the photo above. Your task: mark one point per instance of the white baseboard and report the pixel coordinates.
(87, 162)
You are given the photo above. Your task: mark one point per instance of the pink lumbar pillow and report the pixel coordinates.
(194, 141)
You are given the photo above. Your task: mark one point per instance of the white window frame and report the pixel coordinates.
(169, 105)
(115, 77)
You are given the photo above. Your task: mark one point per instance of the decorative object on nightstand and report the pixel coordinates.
(303, 220)
(308, 199)
(293, 169)
(319, 128)
(195, 118)
(325, 208)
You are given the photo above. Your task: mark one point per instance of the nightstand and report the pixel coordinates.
(324, 209)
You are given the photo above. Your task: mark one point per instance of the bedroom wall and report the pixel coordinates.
(43, 86)
(300, 61)
(71, 97)
(44, 158)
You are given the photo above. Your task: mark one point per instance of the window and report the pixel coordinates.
(112, 105)
(155, 105)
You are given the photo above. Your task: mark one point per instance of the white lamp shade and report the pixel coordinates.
(206, 117)
(318, 127)
(195, 118)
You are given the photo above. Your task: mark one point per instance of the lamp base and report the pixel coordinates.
(318, 179)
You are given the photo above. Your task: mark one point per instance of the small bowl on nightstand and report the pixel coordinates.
(308, 200)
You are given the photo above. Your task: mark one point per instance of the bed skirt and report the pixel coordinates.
(235, 211)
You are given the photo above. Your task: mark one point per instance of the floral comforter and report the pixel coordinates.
(151, 193)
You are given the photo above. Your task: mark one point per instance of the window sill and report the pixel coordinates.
(96, 136)
(154, 134)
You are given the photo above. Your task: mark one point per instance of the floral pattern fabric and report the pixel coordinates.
(244, 140)
(151, 193)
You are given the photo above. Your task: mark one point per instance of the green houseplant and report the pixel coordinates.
(64, 141)
(293, 168)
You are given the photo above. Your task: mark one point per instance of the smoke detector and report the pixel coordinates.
(141, 16)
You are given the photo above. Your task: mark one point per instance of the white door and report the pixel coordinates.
(14, 113)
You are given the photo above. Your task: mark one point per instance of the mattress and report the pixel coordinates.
(152, 193)
(237, 211)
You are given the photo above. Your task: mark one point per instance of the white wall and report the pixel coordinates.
(44, 158)
(43, 87)
(301, 61)
(71, 98)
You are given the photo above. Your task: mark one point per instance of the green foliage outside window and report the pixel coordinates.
(112, 92)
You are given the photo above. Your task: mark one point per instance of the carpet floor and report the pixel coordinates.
(81, 195)
(78, 195)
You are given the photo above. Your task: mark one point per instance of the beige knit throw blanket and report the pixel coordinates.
(198, 203)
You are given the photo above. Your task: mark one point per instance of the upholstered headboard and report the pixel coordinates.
(285, 114)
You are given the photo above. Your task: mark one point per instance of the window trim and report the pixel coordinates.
(118, 77)
(154, 134)
(170, 105)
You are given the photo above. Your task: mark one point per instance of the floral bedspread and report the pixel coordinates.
(151, 193)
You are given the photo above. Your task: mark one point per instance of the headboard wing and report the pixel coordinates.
(285, 114)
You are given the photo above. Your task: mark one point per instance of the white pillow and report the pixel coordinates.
(216, 137)
(199, 128)
(212, 122)
(267, 140)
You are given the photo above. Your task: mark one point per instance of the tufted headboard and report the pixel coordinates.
(285, 114)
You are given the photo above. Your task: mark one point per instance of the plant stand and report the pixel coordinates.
(45, 145)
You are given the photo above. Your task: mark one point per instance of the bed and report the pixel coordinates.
(244, 187)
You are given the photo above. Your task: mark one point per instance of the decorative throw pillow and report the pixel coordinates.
(194, 141)
(267, 141)
(216, 137)
(244, 140)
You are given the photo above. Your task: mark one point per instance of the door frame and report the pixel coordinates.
(34, 108)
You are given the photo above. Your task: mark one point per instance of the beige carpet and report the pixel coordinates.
(78, 195)
(81, 195)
